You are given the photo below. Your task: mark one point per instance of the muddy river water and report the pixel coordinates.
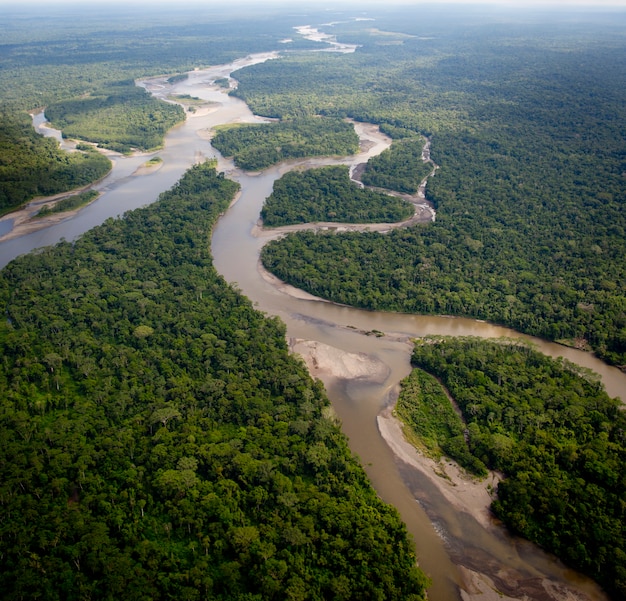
(464, 559)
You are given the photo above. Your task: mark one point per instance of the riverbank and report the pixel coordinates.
(423, 210)
(25, 220)
(237, 259)
(462, 491)
(480, 579)
(483, 579)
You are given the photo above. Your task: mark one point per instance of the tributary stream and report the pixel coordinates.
(464, 559)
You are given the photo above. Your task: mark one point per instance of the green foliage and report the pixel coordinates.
(399, 168)
(256, 147)
(425, 409)
(369, 86)
(152, 424)
(158, 439)
(69, 204)
(31, 165)
(530, 221)
(558, 438)
(121, 117)
(178, 78)
(58, 53)
(327, 194)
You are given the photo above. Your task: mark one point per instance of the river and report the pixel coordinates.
(447, 541)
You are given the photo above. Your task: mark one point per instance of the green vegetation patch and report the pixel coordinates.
(255, 147)
(178, 78)
(121, 117)
(398, 168)
(85, 50)
(154, 424)
(69, 204)
(188, 100)
(558, 438)
(531, 227)
(327, 194)
(433, 423)
(31, 165)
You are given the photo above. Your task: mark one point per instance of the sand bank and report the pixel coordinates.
(480, 578)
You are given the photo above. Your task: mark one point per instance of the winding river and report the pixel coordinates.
(464, 559)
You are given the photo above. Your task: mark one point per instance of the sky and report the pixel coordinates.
(517, 3)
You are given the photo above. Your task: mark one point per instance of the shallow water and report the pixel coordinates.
(444, 538)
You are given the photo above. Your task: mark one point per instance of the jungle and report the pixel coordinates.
(527, 128)
(154, 424)
(546, 425)
(327, 194)
(257, 146)
(159, 441)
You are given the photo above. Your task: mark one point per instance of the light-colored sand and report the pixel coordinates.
(463, 492)
(284, 287)
(324, 359)
(202, 111)
(148, 168)
(25, 223)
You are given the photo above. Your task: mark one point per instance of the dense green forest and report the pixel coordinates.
(81, 66)
(120, 116)
(432, 424)
(31, 165)
(327, 194)
(527, 128)
(51, 55)
(159, 441)
(399, 168)
(257, 146)
(549, 427)
(71, 203)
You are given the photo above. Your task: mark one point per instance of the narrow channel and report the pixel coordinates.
(444, 538)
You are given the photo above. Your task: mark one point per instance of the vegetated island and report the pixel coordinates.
(327, 194)
(32, 166)
(86, 81)
(401, 168)
(123, 118)
(150, 166)
(119, 116)
(547, 426)
(42, 213)
(529, 195)
(69, 203)
(257, 146)
(160, 441)
(482, 108)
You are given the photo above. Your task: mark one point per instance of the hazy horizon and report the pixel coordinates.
(320, 3)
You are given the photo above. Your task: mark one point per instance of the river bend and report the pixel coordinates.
(464, 559)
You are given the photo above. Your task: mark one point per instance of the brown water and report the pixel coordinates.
(122, 190)
(444, 538)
